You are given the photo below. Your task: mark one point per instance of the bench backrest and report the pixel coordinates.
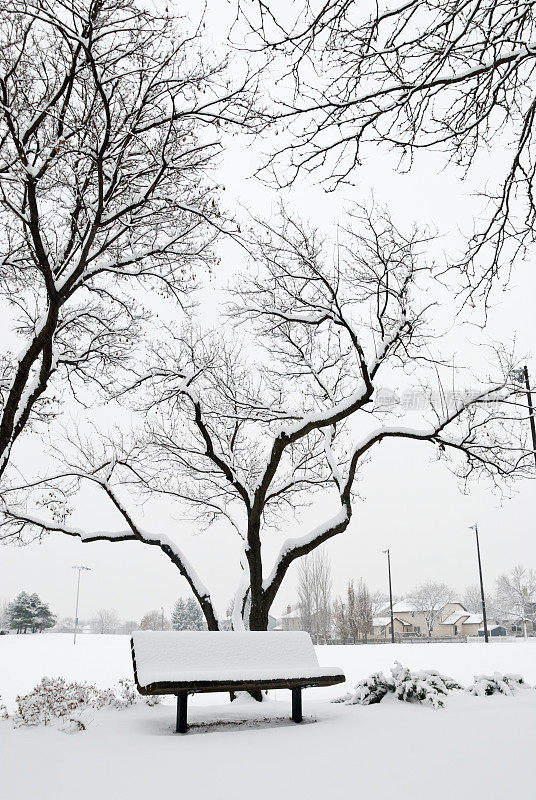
(174, 655)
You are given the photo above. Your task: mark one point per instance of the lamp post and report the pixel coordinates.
(522, 376)
(162, 620)
(475, 529)
(390, 594)
(79, 568)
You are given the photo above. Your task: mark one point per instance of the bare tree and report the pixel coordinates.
(128, 626)
(472, 599)
(109, 123)
(251, 440)
(155, 621)
(443, 74)
(105, 620)
(378, 602)
(314, 592)
(4, 615)
(340, 619)
(351, 610)
(363, 611)
(516, 594)
(429, 599)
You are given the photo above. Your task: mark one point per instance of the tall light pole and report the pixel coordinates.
(522, 376)
(390, 594)
(79, 568)
(475, 529)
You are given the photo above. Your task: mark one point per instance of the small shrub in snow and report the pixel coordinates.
(55, 698)
(421, 686)
(368, 691)
(128, 694)
(3, 710)
(153, 699)
(68, 705)
(498, 682)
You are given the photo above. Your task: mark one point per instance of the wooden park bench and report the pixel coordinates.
(186, 662)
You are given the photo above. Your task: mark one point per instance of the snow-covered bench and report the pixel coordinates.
(186, 662)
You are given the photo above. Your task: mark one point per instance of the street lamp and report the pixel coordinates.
(475, 529)
(79, 568)
(390, 594)
(522, 376)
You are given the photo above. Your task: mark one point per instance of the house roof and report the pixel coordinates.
(473, 619)
(406, 606)
(292, 614)
(453, 618)
(381, 622)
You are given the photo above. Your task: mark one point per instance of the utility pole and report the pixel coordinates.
(79, 568)
(390, 594)
(522, 376)
(486, 636)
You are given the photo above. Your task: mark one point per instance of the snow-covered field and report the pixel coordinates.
(474, 748)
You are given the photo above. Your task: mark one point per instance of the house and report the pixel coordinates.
(415, 623)
(517, 626)
(381, 627)
(461, 623)
(292, 619)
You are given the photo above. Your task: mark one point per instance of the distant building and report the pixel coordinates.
(381, 627)
(461, 623)
(292, 619)
(494, 629)
(450, 621)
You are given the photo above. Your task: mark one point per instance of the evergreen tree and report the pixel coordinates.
(29, 613)
(19, 613)
(178, 615)
(194, 617)
(187, 616)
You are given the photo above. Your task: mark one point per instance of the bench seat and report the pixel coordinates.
(188, 662)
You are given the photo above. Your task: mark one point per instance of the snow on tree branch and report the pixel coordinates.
(247, 425)
(109, 124)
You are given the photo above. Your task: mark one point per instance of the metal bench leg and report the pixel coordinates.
(296, 705)
(182, 712)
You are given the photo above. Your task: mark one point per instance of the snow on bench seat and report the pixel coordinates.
(213, 659)
(185, 662)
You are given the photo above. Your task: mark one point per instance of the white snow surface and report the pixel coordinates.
(234, 751)
(231, 656)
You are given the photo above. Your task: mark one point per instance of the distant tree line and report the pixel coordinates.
(512, 598)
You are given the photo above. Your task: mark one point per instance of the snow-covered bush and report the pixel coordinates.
(368, 691)
(128, 694)
(55, 698)
(412, 686)
(421, 686)
(498, 682)
(153, 699)
(68, 705)
(3, 710)
(127, 691)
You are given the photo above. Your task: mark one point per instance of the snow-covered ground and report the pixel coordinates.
(476, 747)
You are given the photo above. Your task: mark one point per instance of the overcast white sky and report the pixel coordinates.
(409, 503)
